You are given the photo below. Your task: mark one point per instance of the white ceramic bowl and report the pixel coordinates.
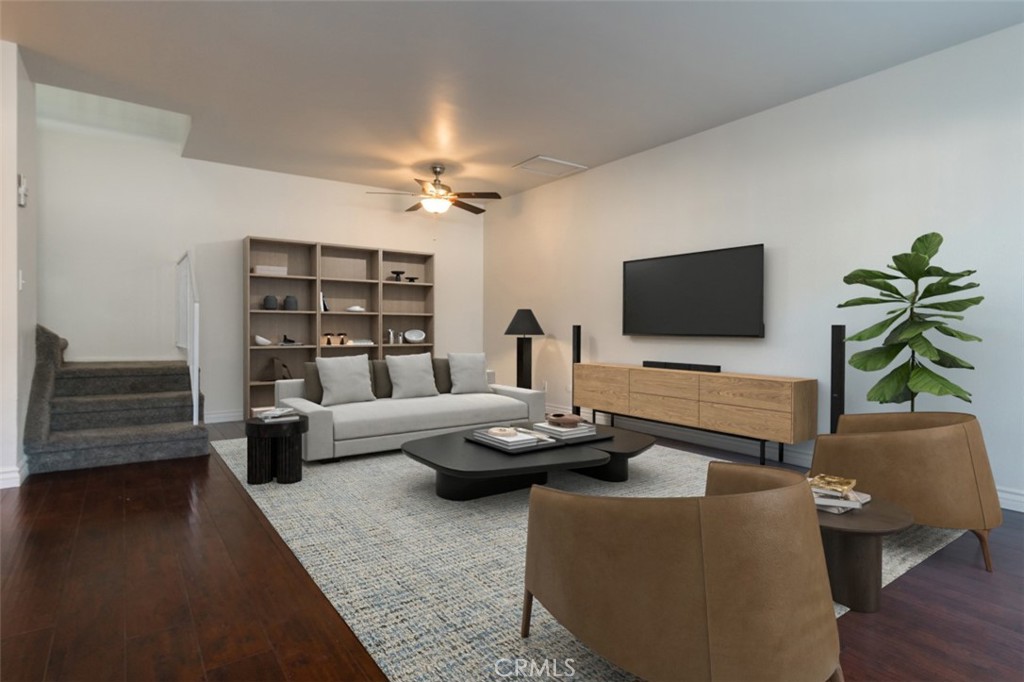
(415, 336)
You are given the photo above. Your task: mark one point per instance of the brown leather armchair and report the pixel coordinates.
(932, 463)
(731, 586)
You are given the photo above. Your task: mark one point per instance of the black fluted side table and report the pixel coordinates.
(275, 450)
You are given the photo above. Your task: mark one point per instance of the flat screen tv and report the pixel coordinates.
(708, 293)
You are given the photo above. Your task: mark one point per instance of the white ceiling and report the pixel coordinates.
(373, 92)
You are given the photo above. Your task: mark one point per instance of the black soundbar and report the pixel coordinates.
(658, 364)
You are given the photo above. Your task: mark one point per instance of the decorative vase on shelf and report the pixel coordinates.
(291, 303)
(270, 302)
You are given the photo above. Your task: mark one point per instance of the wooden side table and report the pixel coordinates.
(275, 450)
(853, 551)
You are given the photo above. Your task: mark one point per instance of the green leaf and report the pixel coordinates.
(923, 380)
(927, 244)
(909, 329)
(951, 361)
(923, 347)
(943, 286)
(861, 276)
(956, 333)
(864, 301)
(912, 265)
(954, 306)
(936, 271)
(928, 316)
(876, 358)
(874, 330)
(892, 388)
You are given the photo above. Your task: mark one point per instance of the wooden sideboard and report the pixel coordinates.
(780, 409)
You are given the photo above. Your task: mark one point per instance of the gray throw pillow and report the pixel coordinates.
(469, 372)
(412, 376)
(345, 379)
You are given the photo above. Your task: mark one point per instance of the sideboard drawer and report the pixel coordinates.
(676, 384)
(664, 409)
(747, 392)
(601, 388)
(747, 421)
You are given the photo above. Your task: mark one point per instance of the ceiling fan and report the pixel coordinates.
(438, 197)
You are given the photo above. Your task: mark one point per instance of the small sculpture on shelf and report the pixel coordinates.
(270, 302)
(291, 303)
(398, 275)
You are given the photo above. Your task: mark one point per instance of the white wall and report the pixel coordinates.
(121, 209)
(835, 181)
(27, 251)
(18, 253)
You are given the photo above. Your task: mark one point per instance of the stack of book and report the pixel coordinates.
(509, 438)
(835, 494)
(581, 430)
(278, 414)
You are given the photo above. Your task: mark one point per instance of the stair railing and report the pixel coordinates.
(188, 324)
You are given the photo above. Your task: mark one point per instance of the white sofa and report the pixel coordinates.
(385, 423)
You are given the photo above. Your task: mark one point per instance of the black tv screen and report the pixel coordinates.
(708, 293)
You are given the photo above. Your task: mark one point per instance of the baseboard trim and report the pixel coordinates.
(223, 416)
(1011, 498)
(10, 478)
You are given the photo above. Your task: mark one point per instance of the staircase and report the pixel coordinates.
(86, 414)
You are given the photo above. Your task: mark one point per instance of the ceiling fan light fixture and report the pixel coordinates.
(435, 204)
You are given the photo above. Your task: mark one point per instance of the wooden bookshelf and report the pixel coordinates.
(346, 276)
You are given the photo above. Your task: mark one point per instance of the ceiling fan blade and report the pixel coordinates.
(415, 207)
(427, 185)
(468, 207)
(404, 194)
(478, 195)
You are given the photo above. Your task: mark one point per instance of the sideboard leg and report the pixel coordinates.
(782, 449)
(762, 443)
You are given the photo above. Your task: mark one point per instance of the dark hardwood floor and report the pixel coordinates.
(159, 571)
(168, 571)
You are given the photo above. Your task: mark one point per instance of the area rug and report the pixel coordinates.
(433, 588)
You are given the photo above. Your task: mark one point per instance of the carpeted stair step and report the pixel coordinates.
(131, 409)
(106, 378)
(85, 448)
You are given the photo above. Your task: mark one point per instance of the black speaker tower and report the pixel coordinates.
(838, 402)
(575, 356)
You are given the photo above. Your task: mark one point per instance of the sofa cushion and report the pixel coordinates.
(442, 375)
(469, 372)
(382, 380)
(345, 379)
(314, 391)
(389, 416)
(412, 376)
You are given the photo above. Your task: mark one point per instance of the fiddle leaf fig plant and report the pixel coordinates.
(915, 313)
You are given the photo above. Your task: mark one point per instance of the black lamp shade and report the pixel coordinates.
(524, 324)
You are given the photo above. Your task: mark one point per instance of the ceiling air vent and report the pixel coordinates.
(554, 168)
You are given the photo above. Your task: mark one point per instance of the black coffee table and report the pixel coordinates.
(467, 470)
(621, 448)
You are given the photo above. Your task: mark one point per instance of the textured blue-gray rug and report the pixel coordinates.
(433, 588)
